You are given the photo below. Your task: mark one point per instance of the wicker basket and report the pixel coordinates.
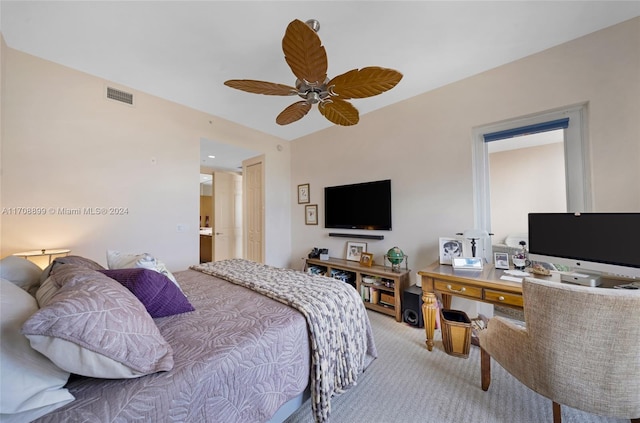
(456, 332)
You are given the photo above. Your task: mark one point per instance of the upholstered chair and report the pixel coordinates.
(580, 347)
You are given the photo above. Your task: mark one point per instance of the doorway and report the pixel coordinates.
(227, 216)
(224, 165)
(206, 214)
(220, 216)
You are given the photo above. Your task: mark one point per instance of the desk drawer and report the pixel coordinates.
(503, 298)
(458, 289)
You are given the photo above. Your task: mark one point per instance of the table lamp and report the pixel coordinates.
(43, 253)
(474, 235)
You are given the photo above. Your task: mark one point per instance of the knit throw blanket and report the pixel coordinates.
(339, 329)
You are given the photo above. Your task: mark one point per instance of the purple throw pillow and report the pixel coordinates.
(160, 296)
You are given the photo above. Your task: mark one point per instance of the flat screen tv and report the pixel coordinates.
(597, 242)
(358, 206)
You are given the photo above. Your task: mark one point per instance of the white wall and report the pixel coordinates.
(424, 144)
(525, 180)
(65, 146)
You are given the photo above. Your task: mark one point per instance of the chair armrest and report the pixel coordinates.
(502, 334)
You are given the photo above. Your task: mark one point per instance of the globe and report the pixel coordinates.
(395, 256)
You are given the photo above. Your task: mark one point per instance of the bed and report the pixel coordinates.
(257, 340)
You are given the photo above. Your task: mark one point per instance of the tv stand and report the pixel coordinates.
(389, 284)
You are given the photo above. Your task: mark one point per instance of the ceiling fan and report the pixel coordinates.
(307, 58)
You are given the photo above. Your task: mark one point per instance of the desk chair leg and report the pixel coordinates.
(557, 413)
(485, 369)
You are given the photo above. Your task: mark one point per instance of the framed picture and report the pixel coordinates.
(501, 260)
(303, 194)
(355, 250)
(366, 259)
(311, 214)
(450, 248)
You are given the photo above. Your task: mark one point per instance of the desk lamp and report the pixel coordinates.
(474, 235)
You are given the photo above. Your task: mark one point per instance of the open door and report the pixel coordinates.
(227, 215)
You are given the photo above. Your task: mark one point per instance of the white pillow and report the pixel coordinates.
(20, 272)
(119, 260)
(31, 383)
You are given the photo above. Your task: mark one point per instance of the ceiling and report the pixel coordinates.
(216, 155)
(183, 51)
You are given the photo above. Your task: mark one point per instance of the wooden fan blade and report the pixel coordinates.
(293, 113)
(363, 83)
(260, 87)
(304, 53)
(339, 112)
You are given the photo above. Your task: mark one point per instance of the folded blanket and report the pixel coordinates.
(340, 332)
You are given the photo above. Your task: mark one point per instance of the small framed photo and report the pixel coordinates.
(355, 250)
(303, 194)
(450, 248)
(311, 214)
(501, 260)
(366, 259)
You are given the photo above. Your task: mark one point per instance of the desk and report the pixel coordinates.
(485, 286)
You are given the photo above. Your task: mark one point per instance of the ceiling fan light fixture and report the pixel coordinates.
(307, 58)
(313, 97)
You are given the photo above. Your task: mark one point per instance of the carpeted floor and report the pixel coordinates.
(408, 384)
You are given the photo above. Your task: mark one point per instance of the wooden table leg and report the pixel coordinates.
(485, 369)
(557, 413)
(429, 310)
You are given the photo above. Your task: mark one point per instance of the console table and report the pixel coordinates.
(390, 301)
(485, 286)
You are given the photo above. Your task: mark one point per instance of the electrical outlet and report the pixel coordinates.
(182, 227)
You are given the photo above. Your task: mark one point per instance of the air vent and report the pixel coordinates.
(119, 95)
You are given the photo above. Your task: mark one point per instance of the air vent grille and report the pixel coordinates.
(119, 95)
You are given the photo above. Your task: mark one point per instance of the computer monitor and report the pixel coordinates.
(605, 243)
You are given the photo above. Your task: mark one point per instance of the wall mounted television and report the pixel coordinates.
(365, 205)
(606, 243)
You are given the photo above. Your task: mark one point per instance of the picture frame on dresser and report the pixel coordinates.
(450, 248)
(366, 259)
(355, 250)
(501, 260)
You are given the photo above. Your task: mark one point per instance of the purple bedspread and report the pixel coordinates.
(238, 357)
